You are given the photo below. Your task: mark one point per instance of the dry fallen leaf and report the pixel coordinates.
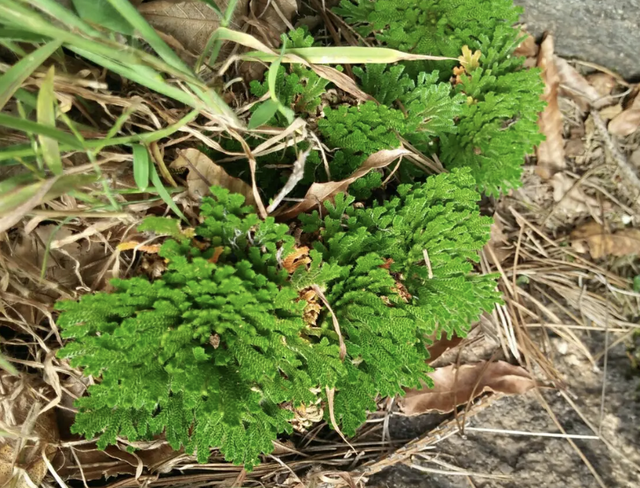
(204, 173)
(453, 386)
(190, 22)
(594, 238)
(603, 83)
(628, 121)
(319, 192)
(528, 47)
(570, 197)
(611, 111)
(576, 87)
(130, 245)
(299, 257)
(550, 152)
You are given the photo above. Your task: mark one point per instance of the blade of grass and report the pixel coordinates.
(8, 367)
(141, 166)
(114, 52)
(22, 150)
(263, 113)
(164, 194)
(14, 205)
(343, 55)
(64, 15)
(31, 127)
(47, 116)
(11, 81)
(20, 35)
(148, 33)
(155, 83)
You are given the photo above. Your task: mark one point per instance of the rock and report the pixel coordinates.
(607, 33)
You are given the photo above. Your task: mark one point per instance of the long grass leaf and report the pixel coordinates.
(56, 10)
(19, 72)
(164, 194)
(263, 113)
(22, 150)
(47, 116)
(31, 127)
(15, 204)
(8, 367)
(343, 55)
(141, 166)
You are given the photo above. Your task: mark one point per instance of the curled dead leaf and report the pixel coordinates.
(130, 245)
(576, 87)
(594, 238)
(319, 192)
(299, 257)
(628, 121)
(550, 152)
(204, 173)
(455, 386)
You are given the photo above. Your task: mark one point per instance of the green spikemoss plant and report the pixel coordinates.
(480, 115)
(497, 126)
(211, 353)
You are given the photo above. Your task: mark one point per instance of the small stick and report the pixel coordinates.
(425, 253)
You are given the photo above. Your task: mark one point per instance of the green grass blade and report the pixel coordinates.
(263, 113)
(342, 55)
(141, 165)
(164, 194)
(66, 16)
(215, 8)
(29, 126)
(100, 12)
(149, 34)
(19, 72)
(53, 188)
(22, 150)
(9, 368)
(47, 116)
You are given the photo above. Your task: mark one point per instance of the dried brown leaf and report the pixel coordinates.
(342, 81)
(455, 386)
(551, 151)
(570, 197)
(611, 111)
(319, 192)
(576, 87)
(628, 121)
(204, 173)
(594, 238)
(299, 257)
(190, 22)
(528, 47)
(603, 83)
(130, 245)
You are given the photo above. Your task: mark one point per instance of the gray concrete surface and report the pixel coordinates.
(606, 32)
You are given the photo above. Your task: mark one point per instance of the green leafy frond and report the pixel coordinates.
(210, 352)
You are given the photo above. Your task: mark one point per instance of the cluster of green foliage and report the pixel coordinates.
(212, 352)
(485, 118)
(498, 125)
